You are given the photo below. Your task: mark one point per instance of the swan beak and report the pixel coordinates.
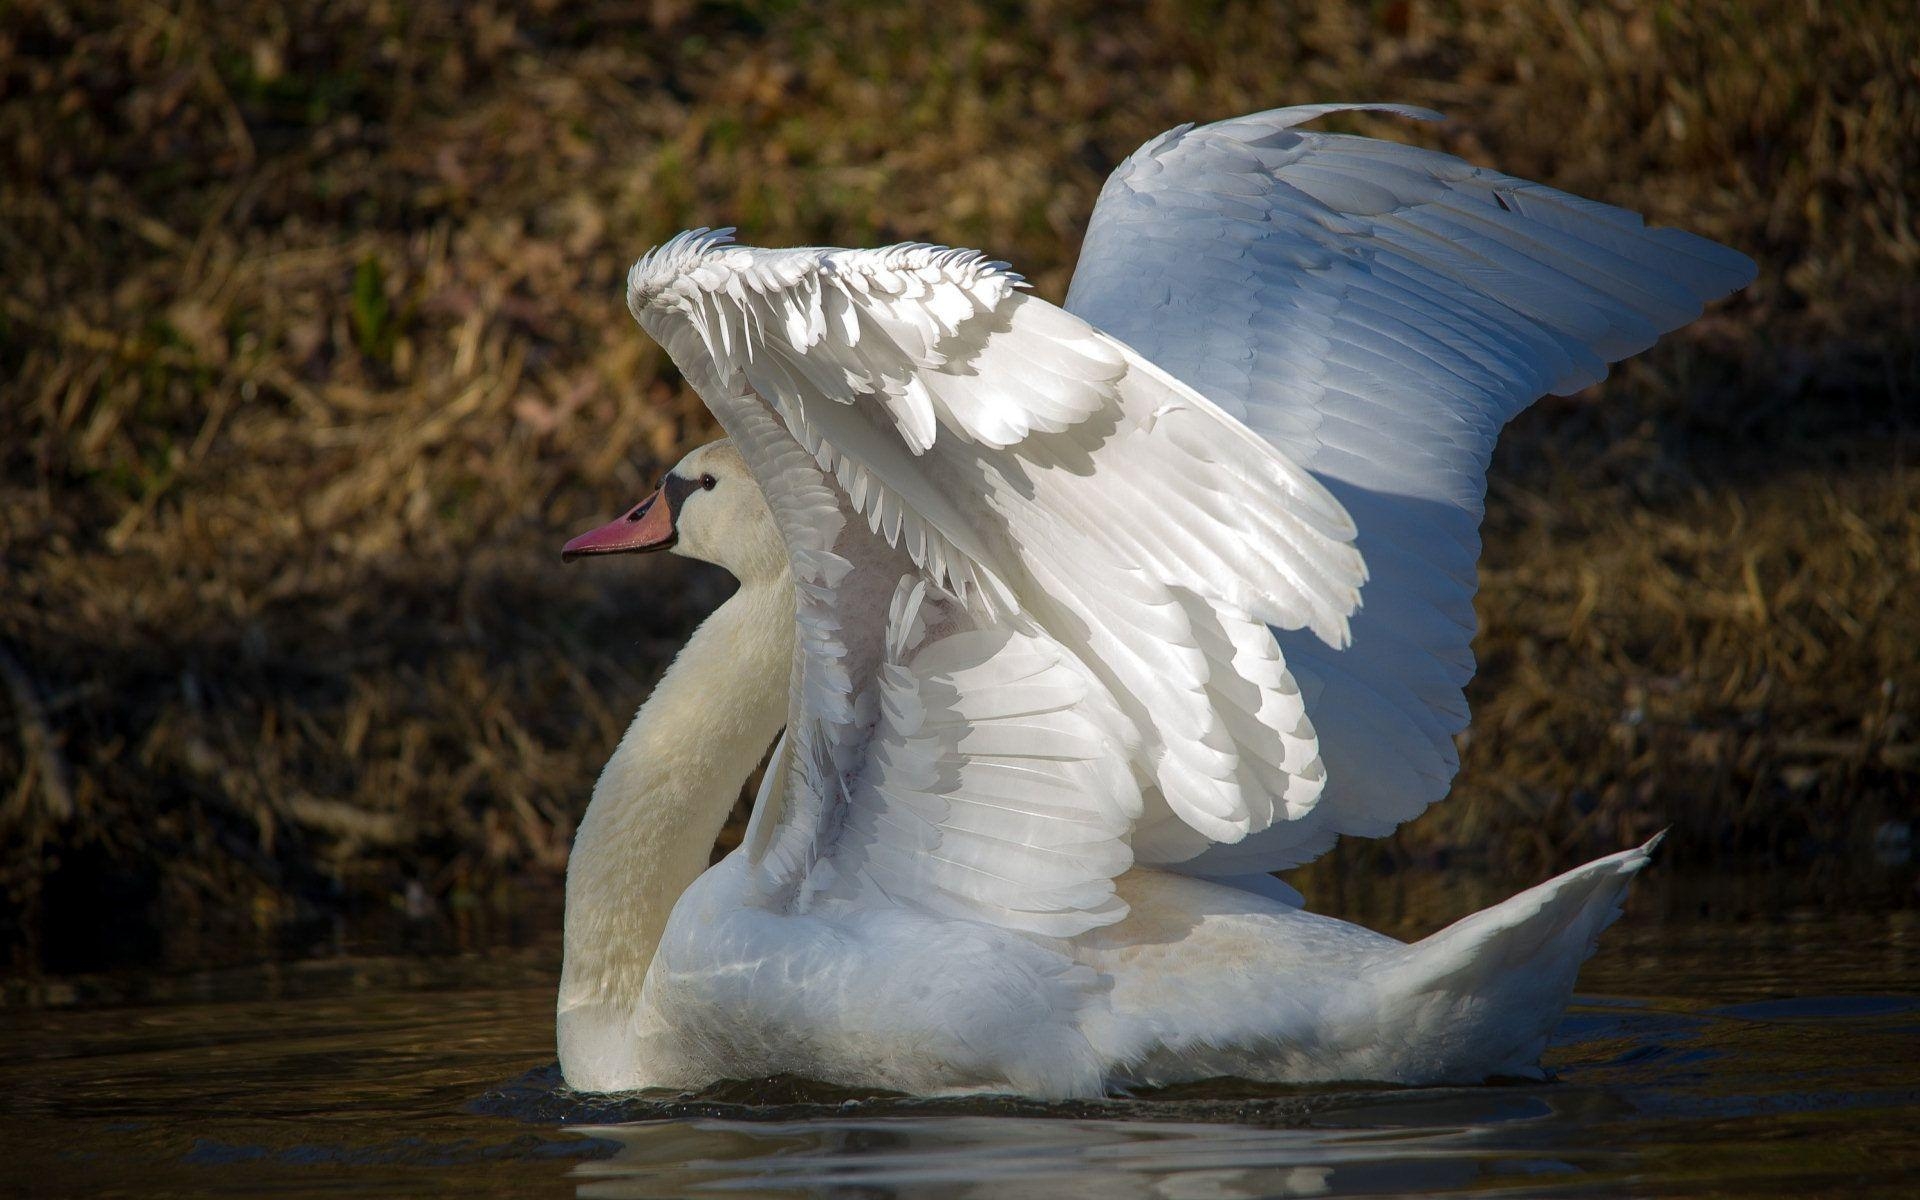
(648, 527)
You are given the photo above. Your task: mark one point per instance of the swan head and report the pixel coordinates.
(707, 507)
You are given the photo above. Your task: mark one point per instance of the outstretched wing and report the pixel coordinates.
(1099, 551)
(1378, 312)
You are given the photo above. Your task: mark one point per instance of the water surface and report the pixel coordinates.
(1772, 1056)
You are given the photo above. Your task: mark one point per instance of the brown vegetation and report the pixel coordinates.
(313, 351)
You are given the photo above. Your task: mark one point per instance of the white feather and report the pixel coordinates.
(1378, 312)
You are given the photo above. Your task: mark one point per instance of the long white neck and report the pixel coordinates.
(649, 831)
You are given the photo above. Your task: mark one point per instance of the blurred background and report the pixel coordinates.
(313, 351)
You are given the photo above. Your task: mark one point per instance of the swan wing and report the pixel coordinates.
(1098, 551)
(969, 765)
(1377, 311)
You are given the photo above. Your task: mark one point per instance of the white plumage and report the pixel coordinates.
(1075, 601)
(1377, 312)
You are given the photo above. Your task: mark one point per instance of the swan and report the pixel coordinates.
(1055, 614)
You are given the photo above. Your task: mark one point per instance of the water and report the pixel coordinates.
(1777, 1055)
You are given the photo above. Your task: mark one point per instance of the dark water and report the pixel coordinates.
(1767, 1056)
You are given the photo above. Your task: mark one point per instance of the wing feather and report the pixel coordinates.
(1037, 552)
(1039, 472)
(1378, 311)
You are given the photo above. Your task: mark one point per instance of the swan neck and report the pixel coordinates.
(662, 798)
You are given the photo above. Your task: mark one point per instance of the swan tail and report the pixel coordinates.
(1485, 992)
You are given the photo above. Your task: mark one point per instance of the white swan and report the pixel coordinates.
(1045, 600)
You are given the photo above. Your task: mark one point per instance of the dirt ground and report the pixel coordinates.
(313, 351)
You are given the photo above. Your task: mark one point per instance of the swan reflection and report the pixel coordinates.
(1005, 1158)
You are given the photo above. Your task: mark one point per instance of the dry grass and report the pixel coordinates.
(313, 351)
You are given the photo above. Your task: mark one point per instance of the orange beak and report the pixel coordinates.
(648, 527)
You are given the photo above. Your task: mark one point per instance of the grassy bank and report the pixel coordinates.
(313, 351)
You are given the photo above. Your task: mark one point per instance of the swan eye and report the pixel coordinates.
(709, 482)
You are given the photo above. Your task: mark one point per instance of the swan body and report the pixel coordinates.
(1204, 981)
(1059, 611)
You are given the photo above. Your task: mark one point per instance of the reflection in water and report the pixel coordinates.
(1753, 1059)
(1007, 1158)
